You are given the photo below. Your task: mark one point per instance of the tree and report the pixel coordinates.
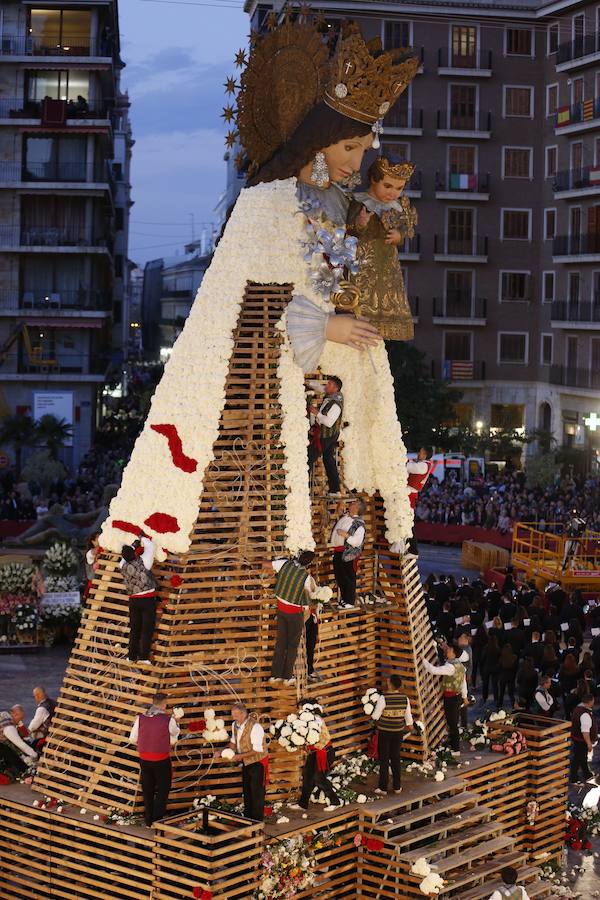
(542, 471)
(44, 469)
(53, 433)
(423, 403)
(18, 432)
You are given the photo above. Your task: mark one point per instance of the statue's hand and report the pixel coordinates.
(355, 332)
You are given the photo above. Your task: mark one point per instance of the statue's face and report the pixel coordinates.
(388, 189)
(345, 157)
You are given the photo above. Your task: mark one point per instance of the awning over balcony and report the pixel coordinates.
(61, 322)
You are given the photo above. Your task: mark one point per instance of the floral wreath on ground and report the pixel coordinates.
(581, 825)
(289, 865)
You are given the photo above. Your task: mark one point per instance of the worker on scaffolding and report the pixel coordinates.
(574, 530)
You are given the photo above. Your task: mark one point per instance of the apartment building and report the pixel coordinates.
(65, 148)
(503, 124)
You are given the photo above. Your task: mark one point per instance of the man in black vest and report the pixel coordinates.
(584, 734)
(39, 725)
(136, 564)
(394, 722)
(347, 540)
(328, 416)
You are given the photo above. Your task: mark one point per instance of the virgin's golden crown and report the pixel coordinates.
(365, 82)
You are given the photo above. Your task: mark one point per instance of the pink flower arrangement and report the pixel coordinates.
(510, 742)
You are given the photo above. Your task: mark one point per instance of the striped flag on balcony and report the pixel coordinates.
(563, 115)
(588, 110)
(595, 175)
(461, 371)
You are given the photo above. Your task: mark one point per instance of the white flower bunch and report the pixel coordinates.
(60, 584)
(498, 716)
(60, 559)
(227, 753)
(369, 701)
(298, 730)
(432, 882)
(178, 713)
(324, 594)
(15, 578)
(215, 728)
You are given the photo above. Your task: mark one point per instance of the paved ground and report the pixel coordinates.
(20, 673)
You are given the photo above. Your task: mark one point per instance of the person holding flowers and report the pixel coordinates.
(454, 687)
(319, 758)
(394, 722)
(247, 747)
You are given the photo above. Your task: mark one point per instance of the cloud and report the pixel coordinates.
(173, 175)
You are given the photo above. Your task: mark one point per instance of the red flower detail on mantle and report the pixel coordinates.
(129, 527)
(183, 462)
(162, 523)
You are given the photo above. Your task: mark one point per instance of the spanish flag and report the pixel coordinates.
(563, 115)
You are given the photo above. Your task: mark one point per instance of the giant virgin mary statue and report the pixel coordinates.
(305, 121)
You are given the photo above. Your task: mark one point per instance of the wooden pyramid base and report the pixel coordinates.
(216, 634)
(471, 825)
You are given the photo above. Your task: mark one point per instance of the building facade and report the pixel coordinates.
(65, 146)
(503, 124)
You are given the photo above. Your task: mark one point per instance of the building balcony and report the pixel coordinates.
(583, 116)
(80, 47)
(411, 248)
(403, 121)
(584, 314)
(474, 65)
(447, 249)
(54, 301)
(573, 376)
(459, 309)
(453, 186)
(78, 364)
(577, 182)
(458, 370)
(41, 239)
(576, 248)
(51, 174)
(473, 125)
(582, 51)
(16, 108)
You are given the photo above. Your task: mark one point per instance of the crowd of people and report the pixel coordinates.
(523, 648)
(497, 502)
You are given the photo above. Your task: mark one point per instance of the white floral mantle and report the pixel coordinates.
(163, 480)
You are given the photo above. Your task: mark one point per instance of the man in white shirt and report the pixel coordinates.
(14, 751)
(509, 889)
(328, 416)
(346, 540)
(545, 702)
(584, 734)
(39, 725)
(418, 471)
(248, 745)
(454, 687)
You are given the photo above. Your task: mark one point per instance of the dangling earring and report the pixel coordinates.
(320, 173)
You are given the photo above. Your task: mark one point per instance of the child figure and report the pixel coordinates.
(381, 219)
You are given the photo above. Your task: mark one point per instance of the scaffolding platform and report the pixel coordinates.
(541, 555)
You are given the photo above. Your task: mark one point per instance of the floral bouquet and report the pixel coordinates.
(298, 730)
(369, 700)
(509, 742)
(576, 835)
(289, 865)
(60, 559)
(432, 882)
(15, 578)
(214, 729)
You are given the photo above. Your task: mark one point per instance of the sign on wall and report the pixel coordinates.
(59, 405)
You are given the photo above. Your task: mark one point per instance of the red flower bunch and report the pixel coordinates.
(576, 836)
(268, 810)
(196, 726)
(369, 843)
(201, 894)
(176, 580)
(511, 742)
(4, 779)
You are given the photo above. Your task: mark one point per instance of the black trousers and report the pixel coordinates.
(327, 450)
(452, 712)
(345, 578)
(289, 633)
(412, 546)
(312, 777)
(253, 786)
(486, 679)
(579, 761)
(312, 634)
(142, 622)
(11, 757)
(388, 750)
(506, 682)
(156, 784)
